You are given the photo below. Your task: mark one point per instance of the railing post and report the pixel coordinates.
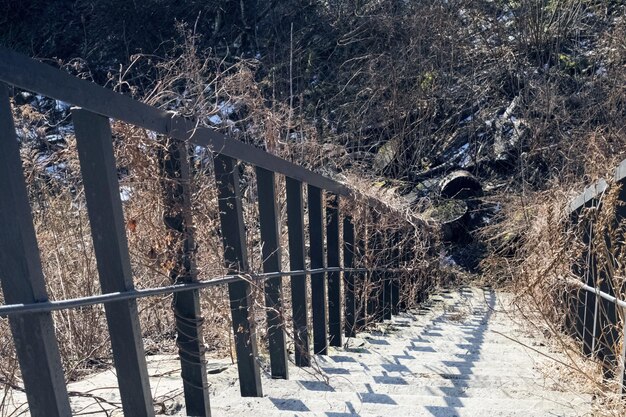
(387, 277)
(378, 275)
(576, 301)
(621, 372)
(395, 283)
(409, 255)
(607, 334)
(620, 215)
(581, 297)
(318, 281)
(371, 277)
(591, 305)
(348, 276)
(361, 278)
(575, 318)
(334, 277)
(271, 253)
(299, 304)
(236, 258)
(403, 285)
(104, 206)
(177, 216)
(23, 281)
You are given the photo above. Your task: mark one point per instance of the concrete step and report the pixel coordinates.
(398, 352)
(469, 345)
(352, 366)
(371, 403)
(449, 361)
(446, 388)
(310, 379)
(402, 412)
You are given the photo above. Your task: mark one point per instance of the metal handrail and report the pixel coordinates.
(599, 293)
(25, 282)
(619, 303)
(26, 73)
(46, 306)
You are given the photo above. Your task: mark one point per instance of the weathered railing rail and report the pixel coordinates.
(23, 283)
(596, 315)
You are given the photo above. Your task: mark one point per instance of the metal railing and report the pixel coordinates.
(596, 315)
(24, 287)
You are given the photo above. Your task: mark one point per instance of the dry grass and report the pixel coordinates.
(536, 251)
(62, 226)
(547, 58)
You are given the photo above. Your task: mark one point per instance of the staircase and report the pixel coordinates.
(461, 355)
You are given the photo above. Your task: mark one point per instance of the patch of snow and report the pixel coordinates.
(125, 192)
(26, 96)
(55, 169)
(463, 156)
(26, 134)
(215, 119)
(40, 99)
(54, 138)
(67, 129)
(61, 106)
(226, 108)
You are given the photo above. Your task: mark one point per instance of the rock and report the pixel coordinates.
(386, 154)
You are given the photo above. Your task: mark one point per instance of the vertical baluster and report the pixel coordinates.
(240, 292)
(387, 277)
(576, 297)
(348, 276)
(176, 187)
(395, 265)
(408, 278)
(271, 253)
(409, 254)
(104, 205)
(371, 277)
(361, 277)
(620, 215)
(589, 326)
(379, 275)
(23, 281)
(299, 304)
(607, 320)
(621, 372)
(318, 280)
(334, 277)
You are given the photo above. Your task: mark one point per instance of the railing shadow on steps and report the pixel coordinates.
(399, 369)
(596, 312)
(23, 282)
